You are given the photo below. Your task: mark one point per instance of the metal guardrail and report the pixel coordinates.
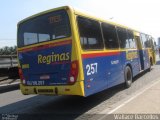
(8, 61)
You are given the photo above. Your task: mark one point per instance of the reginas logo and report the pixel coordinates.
(48, 59)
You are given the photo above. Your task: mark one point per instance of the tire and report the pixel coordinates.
(128, 77)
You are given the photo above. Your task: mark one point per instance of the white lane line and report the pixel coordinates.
(127, 101)
(9, 84)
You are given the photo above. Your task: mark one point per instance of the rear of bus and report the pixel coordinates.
(48, 54)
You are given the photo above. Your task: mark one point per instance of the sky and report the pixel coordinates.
(142, 15)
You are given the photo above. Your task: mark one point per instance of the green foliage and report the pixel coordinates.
(8, 50)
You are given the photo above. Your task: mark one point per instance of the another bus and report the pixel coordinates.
(66, 52)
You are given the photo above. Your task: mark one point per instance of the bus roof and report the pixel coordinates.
(78, 12)
(44, 12)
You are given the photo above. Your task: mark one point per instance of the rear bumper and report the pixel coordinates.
(76, 89)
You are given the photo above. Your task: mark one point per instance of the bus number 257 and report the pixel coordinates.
(91, 68)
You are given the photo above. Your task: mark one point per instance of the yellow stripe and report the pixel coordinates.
(104, 51)
(44, 43)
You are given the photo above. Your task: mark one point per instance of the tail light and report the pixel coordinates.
(73, 72)
(21, 75)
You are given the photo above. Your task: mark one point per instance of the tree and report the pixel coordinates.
(8, 50)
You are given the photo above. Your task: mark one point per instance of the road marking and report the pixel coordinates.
(127, 101)
(9, 84)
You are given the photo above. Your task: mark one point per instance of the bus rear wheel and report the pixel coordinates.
(128, 76)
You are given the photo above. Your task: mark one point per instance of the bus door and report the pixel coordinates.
(144, 51)
(140, 50)
(152, 42)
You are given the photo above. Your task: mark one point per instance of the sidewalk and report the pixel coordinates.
(147, 102)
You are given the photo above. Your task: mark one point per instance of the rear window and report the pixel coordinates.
(50, 26)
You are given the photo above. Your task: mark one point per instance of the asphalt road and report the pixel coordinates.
(72, 107)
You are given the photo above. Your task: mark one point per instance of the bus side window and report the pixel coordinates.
(110, 36)
(148, 43)
(122, 35)
(131, 39)
(143, 40)
(151, 44)
(90, 34)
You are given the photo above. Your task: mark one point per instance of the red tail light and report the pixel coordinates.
(73, 72)
(21, 75)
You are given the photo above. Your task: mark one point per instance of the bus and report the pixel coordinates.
(63, 51)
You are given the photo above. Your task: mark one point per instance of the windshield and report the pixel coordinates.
(51, 26)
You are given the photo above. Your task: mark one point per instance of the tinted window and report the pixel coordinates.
(50, 26)
(132, 43)
(122, 35)
(110, 36)
(148, 42)
(144, 40)
(90, 34)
